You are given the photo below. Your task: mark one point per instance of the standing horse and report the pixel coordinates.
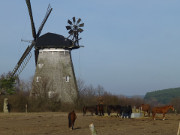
(71, 118)
(162, 110)
(146, 108)
(91, 109)
(126, 111)
(100, 110)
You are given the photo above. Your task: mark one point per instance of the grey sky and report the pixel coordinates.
(131, 46)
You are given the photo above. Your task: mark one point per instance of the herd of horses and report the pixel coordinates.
(126, 111)
(122, 111)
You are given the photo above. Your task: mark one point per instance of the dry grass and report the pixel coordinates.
(56, 124)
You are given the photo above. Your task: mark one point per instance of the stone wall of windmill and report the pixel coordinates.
(55, 66)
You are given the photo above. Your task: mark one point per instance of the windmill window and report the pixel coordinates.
(38, 78)
(67, 78)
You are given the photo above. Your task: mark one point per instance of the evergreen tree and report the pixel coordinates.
(7, 84)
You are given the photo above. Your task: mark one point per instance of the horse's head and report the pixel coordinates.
(171, 107)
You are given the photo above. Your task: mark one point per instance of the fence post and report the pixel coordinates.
(178, 133)
(92, 129)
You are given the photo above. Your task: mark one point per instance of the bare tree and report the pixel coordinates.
(100, 90)
(43, 89)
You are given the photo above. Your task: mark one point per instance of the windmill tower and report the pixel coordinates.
(54, 68)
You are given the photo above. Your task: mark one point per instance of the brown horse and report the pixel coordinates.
(91, 109)
(162, 110)
(71, 118)
(146, 108)
(100, 110)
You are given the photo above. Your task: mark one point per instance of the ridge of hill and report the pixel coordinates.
(164, 96)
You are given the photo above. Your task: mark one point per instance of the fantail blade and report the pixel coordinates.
(69, 22)
(68, 27)
(81, 25)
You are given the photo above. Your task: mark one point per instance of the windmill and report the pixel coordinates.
(53, 60)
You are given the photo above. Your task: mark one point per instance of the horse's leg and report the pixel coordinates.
(84, 112)
(148, 113)
(153, 115)
(72, 125)
(163, 116)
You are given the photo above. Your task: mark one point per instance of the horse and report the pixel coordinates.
(126, 111)
(100, 109)
(162, 110)
(114, 108)
(71, 118)
(146, 108)
(91, 109)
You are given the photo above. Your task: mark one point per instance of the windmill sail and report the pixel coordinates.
(23, 60)
(44, 20)
(27, 53)
(31, 18)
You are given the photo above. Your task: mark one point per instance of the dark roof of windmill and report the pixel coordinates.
(52, 40)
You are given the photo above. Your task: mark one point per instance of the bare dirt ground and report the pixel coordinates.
(57, 124)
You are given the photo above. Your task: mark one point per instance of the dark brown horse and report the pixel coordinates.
(146, 108)
(91, 109)
(162, 110)
(71, 118)
(100, 110)
(113, 109)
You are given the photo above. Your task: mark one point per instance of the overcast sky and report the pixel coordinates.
(131, 46)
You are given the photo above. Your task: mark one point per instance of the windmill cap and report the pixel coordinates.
(52, 40)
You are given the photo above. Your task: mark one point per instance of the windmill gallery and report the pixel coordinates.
(53, 59)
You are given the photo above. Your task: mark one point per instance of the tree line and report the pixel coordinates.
(18, 94)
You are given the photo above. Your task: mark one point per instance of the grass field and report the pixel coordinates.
(49, 123)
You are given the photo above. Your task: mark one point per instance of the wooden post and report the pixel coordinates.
(178, 133)
(5, 107)
(26, 106)
(92, 129)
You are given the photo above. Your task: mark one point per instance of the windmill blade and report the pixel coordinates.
(69, 22)
(23, 60)
(68, 27)
(80, 30)
(31, 18)
(78, 21)
(71, 32)
(81, 25)
(49, 9)
(74, 20)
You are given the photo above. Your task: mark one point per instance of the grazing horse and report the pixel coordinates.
(146, 108)
(100, 110)
(71, 118)
(91, 109)
(162, 110)
(114, 108)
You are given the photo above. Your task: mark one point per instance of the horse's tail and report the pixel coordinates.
(69, 118)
